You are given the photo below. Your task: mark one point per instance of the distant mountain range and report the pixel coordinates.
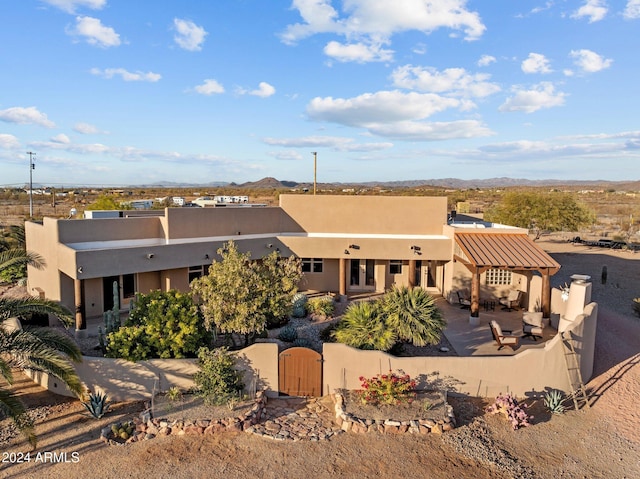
(454, 183)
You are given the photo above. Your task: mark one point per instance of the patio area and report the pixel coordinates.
(470, 340)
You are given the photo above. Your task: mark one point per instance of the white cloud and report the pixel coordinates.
(85, 128)
(70, 6)
(26, 116)
(126, 75)
(286, 155)
(486, 60)
(357, 52)
(542, 95)
(594, 10)
(336, 143)
(432, 131)
(264, 90)
(379, 107)
(370, 23)
(536, 63)
(209, 87)
(590, 62)
(95, 33)
(456, 81)
(8, 142)
(632, 10)
(189, 35)
(61, 138)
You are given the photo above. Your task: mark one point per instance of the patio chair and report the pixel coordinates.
(464, 299)
(532, 325)
(504, 337)
(512, 300)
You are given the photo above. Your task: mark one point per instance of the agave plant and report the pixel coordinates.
(553, 401)
(97, 405)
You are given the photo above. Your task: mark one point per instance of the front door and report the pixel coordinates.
(362, 275)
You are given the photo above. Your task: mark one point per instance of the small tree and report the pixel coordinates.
(218, 381)
(240, 295)
(543, 211)
(162, 325)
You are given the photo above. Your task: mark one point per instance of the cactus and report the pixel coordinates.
(299, 305)
(111, 318)
(288, 334)
(508, 405)
(302, 343)
(97, 405)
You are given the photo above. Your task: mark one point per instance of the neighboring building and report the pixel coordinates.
(348, 245)
(177, 201)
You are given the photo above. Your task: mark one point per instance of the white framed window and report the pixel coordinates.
(395, 266)
(498, 277)
(312, 265)
(197, 272)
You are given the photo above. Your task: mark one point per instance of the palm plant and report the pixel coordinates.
(363, 326)
(413, 315)
(38, 349)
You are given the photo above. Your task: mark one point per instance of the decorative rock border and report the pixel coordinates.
(348, 422)
(147, 427)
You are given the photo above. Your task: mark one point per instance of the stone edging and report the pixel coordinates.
(147, 427)
(348, 422)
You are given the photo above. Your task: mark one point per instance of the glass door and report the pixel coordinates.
(362, 274)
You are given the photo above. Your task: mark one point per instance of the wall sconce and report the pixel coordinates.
(277, 250)
(150, 255)
(354, 246)
(206, 256)
(346, 251)
(80, 269)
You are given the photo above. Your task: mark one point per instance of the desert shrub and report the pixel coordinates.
(389, 388)
(322, 306)
(288, 334)
(326, 334)
(413, 315)
(302, 343)
(162, 325)
(508, 405)
(363, 326)
(218, 381)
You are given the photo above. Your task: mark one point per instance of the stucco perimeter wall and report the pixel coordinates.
(128, 381)
(531, 371)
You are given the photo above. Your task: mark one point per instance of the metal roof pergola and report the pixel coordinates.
(480, 251)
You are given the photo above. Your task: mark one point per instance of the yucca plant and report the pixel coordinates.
(413, 315)
(97, 405)
(553, 401)
(363, 326)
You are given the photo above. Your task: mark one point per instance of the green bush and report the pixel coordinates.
(218, 381)
(322, 306)
(363, 326)
(162, 325)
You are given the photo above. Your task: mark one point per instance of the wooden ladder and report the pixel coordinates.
(578, 391)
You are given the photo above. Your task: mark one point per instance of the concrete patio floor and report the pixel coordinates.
(469, 340)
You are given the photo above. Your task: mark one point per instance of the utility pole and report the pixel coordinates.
(32, 167)
(315, 169)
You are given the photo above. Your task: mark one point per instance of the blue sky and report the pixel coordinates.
(121, 92)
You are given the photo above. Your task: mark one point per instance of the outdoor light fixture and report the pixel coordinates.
(206, 256)
(354, 246)
(416, 248)
(346, 251)
(269, 245)
(80, 269)
(277, 250)
(150, 255)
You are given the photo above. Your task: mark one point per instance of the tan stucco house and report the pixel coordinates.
(348, 245)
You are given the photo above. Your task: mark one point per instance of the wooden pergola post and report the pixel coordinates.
(342, 285)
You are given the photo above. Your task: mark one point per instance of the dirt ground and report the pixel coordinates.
(601, 442)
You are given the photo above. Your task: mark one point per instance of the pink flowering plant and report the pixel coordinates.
(389, 389)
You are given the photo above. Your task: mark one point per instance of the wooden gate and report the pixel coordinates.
(300, 372)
